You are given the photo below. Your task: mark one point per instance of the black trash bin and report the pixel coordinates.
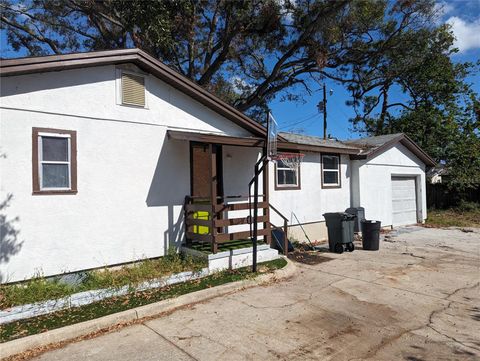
(359, 213)
(371, 235)
(340, 231)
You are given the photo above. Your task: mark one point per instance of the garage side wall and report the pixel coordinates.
(375, 183)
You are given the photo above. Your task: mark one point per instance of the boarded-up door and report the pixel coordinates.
(201, 179)
(404, 201)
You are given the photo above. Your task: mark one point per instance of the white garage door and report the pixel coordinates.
(404, 201)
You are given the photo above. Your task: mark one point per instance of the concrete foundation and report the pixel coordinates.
(235, 258)
(316, 231)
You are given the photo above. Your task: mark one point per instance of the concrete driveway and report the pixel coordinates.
(416, 299)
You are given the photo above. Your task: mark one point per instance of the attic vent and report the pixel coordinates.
(133, 89)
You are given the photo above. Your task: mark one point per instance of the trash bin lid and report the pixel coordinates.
(370, 221)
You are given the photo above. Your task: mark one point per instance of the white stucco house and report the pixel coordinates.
(110, 157)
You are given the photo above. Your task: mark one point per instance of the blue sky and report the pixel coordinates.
(462, 15)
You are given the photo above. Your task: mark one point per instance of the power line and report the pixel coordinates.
(307, 117)
(299, 122)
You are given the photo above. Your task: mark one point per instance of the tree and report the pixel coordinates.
(436, 107)
(247, 52)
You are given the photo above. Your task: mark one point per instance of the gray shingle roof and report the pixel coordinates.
(370, 144)
(311, 140)
(364, 147)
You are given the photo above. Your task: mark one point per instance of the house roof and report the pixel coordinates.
(309, 140)
(372, 146)
(29, 65)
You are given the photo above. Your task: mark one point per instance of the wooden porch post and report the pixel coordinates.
(212, 150)
(266, 211)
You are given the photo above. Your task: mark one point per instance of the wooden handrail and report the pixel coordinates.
(278, 212)
(220, 197)
(285, 229)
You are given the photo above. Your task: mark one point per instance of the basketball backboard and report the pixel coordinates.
(272, 132)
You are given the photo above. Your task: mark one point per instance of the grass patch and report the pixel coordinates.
(41, 289)
(112, 305)
(225, 246)
(455, 217)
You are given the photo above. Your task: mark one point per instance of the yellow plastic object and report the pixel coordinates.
(204, 215)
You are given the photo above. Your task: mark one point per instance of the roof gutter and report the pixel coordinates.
(281, 145)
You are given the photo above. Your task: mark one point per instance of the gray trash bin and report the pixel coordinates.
(359, 212)
(340, 231)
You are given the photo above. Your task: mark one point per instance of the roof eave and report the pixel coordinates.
(404, 140)
(314, 148)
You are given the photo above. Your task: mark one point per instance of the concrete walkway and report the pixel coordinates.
(416, 299)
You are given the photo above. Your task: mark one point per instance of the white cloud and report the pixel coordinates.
(467, 34)
(239, 85)
(443, 8)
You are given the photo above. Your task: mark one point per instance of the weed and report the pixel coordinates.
(40, 288)
(455, 217)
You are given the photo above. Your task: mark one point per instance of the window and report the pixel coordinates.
(285, 177)
(133, 89)
(54, 161)
(330, 171)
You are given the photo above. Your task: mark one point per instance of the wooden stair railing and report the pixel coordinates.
(285, 229)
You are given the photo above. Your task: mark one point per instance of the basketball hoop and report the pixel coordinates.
(291, 160)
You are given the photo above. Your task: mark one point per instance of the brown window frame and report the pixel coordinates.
(333, 186)
(288, 187)
(36, 167)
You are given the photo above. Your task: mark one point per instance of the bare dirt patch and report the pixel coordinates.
(308, 257)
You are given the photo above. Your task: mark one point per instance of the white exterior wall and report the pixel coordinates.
(311, 201)
(132, 180)
(375, 185)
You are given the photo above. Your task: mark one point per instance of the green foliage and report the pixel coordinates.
(275, 48)
(438, 109)
(466, 206)
(71, 316)
(40, 288)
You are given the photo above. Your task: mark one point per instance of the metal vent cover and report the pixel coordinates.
(133, 89)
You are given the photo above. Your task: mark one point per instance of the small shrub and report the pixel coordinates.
(465, 206)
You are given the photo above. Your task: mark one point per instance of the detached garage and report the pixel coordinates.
(388, 180)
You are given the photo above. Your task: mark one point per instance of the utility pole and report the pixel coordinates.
(322, 108)
(324, 111)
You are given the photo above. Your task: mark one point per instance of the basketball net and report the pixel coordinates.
(291, 160)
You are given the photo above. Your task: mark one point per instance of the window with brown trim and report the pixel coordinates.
(331, 171)
(285, 177)
(54, 161)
